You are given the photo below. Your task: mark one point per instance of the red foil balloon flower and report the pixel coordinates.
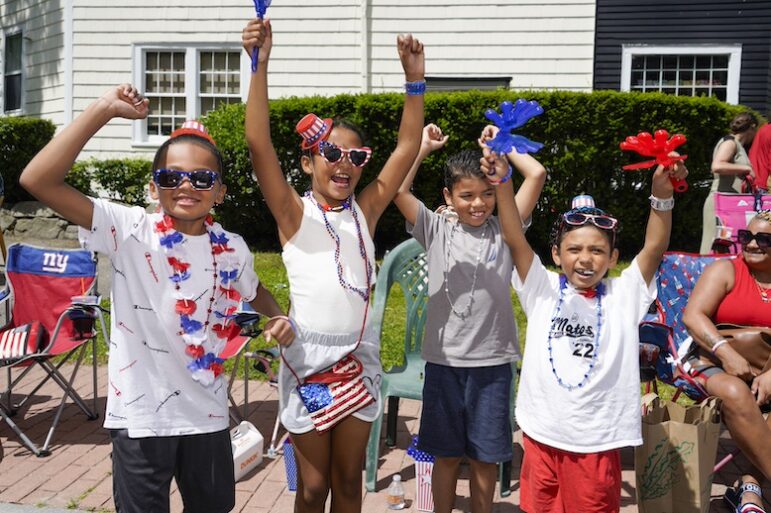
(659, 145)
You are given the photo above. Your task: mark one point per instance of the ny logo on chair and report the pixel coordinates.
(53, 311)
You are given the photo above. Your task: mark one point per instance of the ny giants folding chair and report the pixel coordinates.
(53, 314)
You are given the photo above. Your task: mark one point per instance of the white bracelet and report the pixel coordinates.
(662, 205)
(718, 344)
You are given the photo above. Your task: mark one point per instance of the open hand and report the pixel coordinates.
(258, 34)
(411, 55)
(279, 329)
(125, 101)
(432, 139)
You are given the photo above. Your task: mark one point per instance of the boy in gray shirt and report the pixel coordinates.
(471, 335)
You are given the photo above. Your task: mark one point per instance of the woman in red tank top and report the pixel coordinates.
(738, 291)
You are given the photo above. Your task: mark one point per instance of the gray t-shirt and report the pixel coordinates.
(486, 334)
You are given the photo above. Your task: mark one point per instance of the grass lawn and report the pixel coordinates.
(270, 269)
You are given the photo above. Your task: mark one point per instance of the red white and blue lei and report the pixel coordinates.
(204, 366)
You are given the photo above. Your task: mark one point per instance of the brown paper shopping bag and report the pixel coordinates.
(674, 464)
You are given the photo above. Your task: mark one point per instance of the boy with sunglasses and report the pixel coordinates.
(178, 278)
(579, 391)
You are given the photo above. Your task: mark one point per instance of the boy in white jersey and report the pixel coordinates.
(579, 394)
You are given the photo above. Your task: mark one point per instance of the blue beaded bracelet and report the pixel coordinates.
(504, 179)
(416, 88)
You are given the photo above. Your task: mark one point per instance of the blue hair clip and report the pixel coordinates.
(512, 117)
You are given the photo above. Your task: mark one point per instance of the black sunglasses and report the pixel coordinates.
(201, 180)
(763, 239)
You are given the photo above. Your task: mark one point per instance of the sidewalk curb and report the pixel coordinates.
(17, 508)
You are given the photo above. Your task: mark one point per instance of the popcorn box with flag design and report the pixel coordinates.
(424, 465)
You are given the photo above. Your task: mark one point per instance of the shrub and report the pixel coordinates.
(20, 140)
(580, 131)
(123, 180)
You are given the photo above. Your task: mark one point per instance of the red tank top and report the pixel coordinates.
(743, 305)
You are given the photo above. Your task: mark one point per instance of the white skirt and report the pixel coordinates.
(313, 352)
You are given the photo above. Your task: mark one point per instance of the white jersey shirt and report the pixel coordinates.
(602, 413)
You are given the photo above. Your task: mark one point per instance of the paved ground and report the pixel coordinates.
(77, 473)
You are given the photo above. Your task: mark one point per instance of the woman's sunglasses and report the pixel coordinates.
(579, 219)
(334, 154)
(201, 180)
(763, 239)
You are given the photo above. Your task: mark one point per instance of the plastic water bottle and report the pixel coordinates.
(396, 493)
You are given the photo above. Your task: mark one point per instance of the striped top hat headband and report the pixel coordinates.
(313, 130)
(583, 200)
(194, 128)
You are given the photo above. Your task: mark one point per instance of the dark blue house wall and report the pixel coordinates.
(689, 22)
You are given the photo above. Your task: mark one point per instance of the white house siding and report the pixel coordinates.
(321, 46)
(544, 44)
(43, 43)
(106, 32)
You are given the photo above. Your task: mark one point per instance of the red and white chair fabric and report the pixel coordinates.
(52, 309)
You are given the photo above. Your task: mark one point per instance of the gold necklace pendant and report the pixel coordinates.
(762, 291)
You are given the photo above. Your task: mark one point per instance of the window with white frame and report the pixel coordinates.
(185, 83)
(12, 72)
(683, 70)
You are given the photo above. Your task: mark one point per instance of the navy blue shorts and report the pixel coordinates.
(466, 412)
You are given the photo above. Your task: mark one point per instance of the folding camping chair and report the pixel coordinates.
(664, 339)
(238, 349)
(53, 314)
(247, 319)
(732, 213)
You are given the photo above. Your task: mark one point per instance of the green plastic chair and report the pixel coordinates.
(407, 265)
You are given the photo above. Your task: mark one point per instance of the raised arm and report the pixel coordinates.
(713, 285)
(405, 201)
(44, 175)
(497, 168)
(534, 175)
(376, 196)
(283, 201)
(660, 219)
(723, 162)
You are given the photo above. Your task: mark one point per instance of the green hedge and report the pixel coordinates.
(20, 140)
(581, 133)
(123, 180)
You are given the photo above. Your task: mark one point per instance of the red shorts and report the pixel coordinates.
(557, 481)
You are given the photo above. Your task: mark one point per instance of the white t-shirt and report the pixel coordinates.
(151, 392)
(604, 413)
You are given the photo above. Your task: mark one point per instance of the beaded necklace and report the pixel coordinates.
(467, 310)
(600, 292)
(362, 292)
(204, 367)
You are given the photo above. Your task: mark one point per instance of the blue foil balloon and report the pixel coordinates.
(513, 116)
